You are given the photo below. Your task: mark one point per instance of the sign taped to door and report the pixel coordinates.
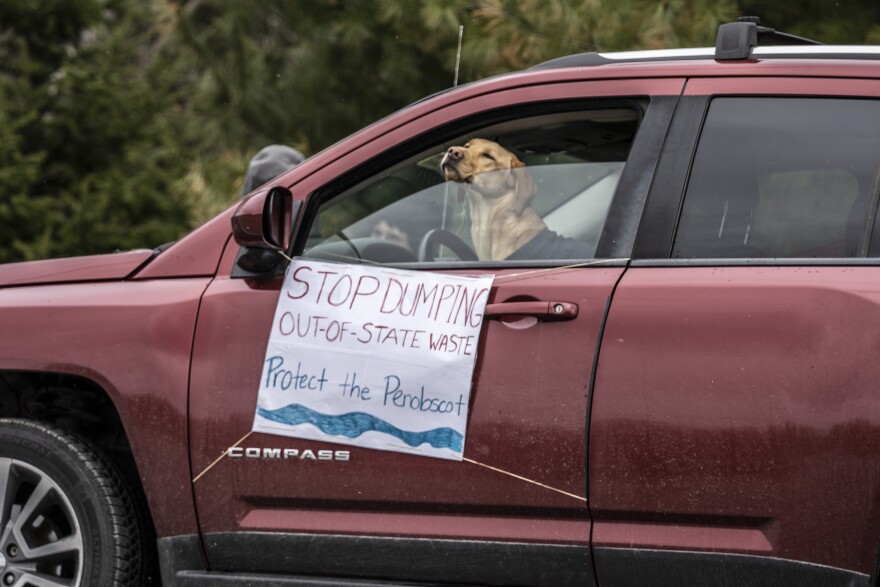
(372, 356)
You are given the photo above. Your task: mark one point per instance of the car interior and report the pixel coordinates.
(575, 158)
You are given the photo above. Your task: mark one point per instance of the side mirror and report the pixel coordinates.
(264, 220)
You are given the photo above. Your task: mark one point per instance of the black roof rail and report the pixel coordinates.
(736, 40)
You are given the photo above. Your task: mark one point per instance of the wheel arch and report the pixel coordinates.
(75, 404)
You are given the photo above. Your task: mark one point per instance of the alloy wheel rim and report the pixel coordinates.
(40, 536)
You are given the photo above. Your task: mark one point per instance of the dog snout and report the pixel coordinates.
(455, 153)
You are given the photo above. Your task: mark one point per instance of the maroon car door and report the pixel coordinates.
(735, 417)
(514, 511)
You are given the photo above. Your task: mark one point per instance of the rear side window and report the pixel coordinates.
(781, 177)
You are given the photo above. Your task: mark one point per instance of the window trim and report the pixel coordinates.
(762, 262)
(653, 122)
(662, 215)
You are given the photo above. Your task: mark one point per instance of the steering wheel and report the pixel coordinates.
(429, 248)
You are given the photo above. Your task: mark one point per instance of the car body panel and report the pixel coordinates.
(764, 439)
(734, 409)
(91, 268)
(392, 494)
(195, 255)
(134, 341)
(533, 447)
(784, 86)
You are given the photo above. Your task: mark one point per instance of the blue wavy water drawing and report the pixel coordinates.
(354, 424)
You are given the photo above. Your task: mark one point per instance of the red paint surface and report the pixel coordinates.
(91, 268)
(196, 254)
(134, 340)
(527, 417)
(732, 403)
(512, 527)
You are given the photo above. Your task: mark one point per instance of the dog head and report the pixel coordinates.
(490, 170)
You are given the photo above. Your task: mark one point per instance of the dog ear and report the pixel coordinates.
(523, 185)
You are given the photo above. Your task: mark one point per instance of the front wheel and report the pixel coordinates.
(67, 518)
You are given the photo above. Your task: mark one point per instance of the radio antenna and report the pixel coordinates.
(454, 84)
(458, 54)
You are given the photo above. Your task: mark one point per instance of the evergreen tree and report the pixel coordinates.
(309, 73)
(124, 124)
(843, 22)
(85, 169)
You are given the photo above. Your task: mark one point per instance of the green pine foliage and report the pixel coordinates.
(125, 123)
(83, 167)
(842, 22)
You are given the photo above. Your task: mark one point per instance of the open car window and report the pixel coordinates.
(411, 213)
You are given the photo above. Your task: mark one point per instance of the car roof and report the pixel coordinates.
(849, 52)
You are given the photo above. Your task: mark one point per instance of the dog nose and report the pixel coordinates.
(455, 153)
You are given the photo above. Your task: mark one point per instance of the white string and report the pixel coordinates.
(220, 458)
(526, 479)
(525, 274)
(465, 459)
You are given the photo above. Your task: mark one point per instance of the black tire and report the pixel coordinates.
(66, 515)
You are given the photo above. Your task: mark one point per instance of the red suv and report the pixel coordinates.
(690, 398)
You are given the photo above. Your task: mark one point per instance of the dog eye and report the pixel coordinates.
(488, 156)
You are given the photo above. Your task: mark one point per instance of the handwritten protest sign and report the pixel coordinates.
(372, 356)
